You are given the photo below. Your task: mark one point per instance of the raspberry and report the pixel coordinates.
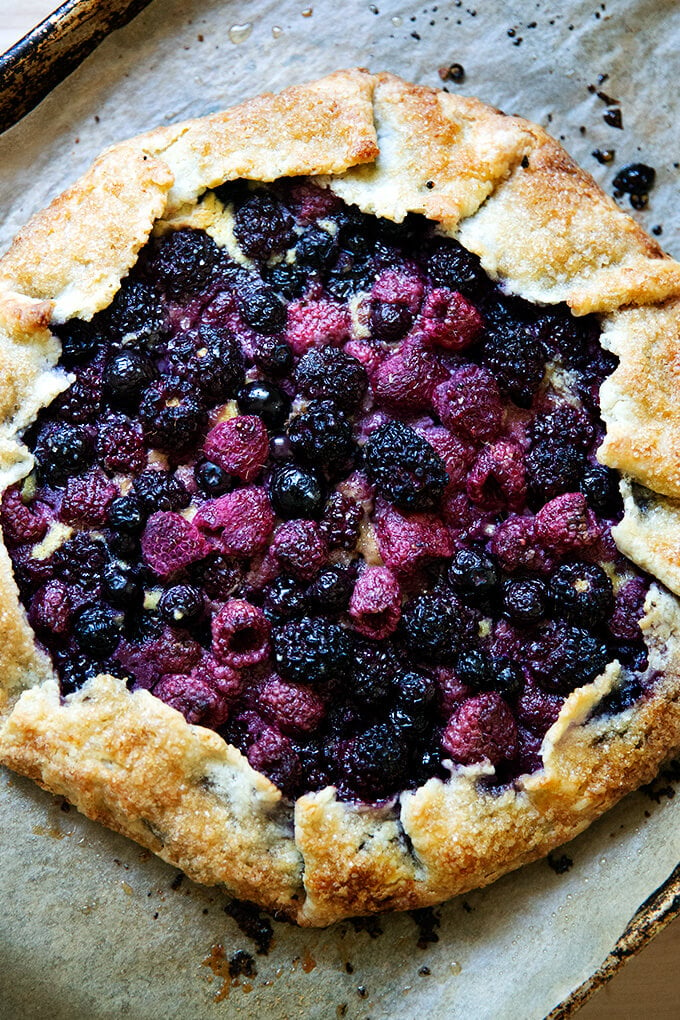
(263, 226)
(404, 467)
(496, 481)
(87, 498)
(399, 288)
(241, 521)
(456, 454)
(226, 681)
(240, 634)
(450, 321)
(469, 403)
(170, 543)
(410, 541)
(186, 261)
(322, 435)
(452, 692)
(316, 324)
(198, 702)
(515, 545)
(299, 548)
(309, 202)
(565, 524)
(313, 651)
(120, 445)
(171, 414)
(537, 709)
(160, 490)
(22, 522)
(482, 728)
(563, 658)
(274, 756)
(581, 593)
(210, 359)
(451, 265)
(240, 446)
(171, 652)
(629, 608)
(407, 380)
(327, 373)
(290, 707)
(513, 355)
(466, 522)
(51, 608)
(375, 606)
(341, 521)
(433, 627)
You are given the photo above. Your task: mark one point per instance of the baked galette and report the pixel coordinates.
(340, 456)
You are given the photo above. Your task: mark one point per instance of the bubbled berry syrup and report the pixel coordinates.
(337, 500)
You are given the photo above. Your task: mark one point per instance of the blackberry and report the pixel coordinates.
(284, 598)
(626, 693)
(566, 339)
(212, 479)
(516, 360)
(262, 308)
(80, 560)
(376, 761)
(295, 492)
(316, 248)
(600, 486)
(171, 414)
(125, 547)
(262, 226)
(404, 467)
(273, 356)
(120, 587)
(416, 695)
(553, 468)
(451, 265)
(81, 402)
(332, 589)
(97, 631)
(563, 658)
(350, 275)
(210, 360)
(509, 678)
(74, 670)
(313, 651)
(432, 627)
(137, 313)
(474, 573)
(160, 490)
(322, 435)
(218, 576)
(180, 605)
(565, 425)
(390, 321)
(126, 375)
(376, 668)
(582, 593)
(524, 600)
(62, 451)
(265, 400)
(328, 373)
(186, 261)
(79, 340)
(288, 278)
(475, 669)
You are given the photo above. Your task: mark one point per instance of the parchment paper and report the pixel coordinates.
(90, 925)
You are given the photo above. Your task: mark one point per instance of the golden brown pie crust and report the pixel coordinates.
(510, 194)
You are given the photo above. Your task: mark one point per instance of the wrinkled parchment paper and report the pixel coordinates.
(91, 926)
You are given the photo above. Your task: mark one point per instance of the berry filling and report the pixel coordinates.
(329, 491)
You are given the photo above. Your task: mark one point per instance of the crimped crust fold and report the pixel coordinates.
(540, 225)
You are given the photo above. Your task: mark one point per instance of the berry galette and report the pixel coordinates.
(340, 463)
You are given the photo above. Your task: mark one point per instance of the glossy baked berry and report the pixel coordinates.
(525, 600)
(136, 314)
(322, 435)
(374, 763)
(432, 627)
(97, 631)
(263, 226)
(273, 356)
(331, 591)
(218, 576)
(74, 671)
(316, 248)
(172, 416)
(120, 445)
(288, 278)
(416, 694)
(186, 261)
(284, 598)
(210, 360)
(181, 605)
(126, 375)
(473, 573)
(299, 548)
(120, 586)
(80, 560)
(563, 658)
(212, 479)
(267, 401)
(341, 521)
(451, 265)
(376, 668)
(62, 451)
(390, 321)
(475, 669)
(582, 593)
(513, 356)
(600, 486)
(404, 467)
(262, 308)
(295, 492)
(565, 425)
(328, 373)
(553, 468)
(313, 651)
(160, 490)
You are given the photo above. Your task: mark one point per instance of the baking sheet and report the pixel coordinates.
(92, 926)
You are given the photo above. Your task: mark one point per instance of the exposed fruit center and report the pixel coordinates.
(333, 494)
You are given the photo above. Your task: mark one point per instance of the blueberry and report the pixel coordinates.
(64, 451)
(127, 375)
(390, 321)
(181, 605)
(288, 278)
(262, 308)
(475, 669)
(97, 631)
(508, 677)
(524, 600)
(119, 586)
(295, 492)
(284, 598)
(280, 448)
(332, 589)
(212, 479)
(267, 401)
(582, 593)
